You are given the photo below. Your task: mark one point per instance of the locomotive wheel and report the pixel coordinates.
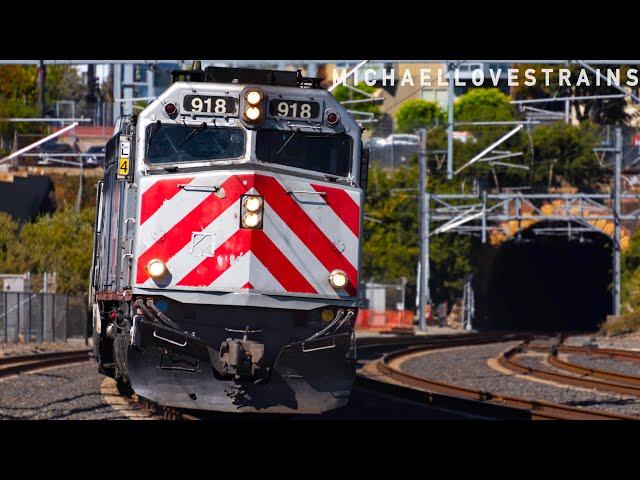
(105, 357)
(124, 387)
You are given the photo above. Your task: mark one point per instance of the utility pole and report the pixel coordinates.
(80, 186)
(90, 97)
(423, 294)
(616, 222)
(450, 94)
(109, 118)
(41, 79)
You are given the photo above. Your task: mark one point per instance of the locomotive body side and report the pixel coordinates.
(231, 283)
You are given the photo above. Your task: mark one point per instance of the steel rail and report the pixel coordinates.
(156, 410)
(507, 360)
(594, 372)
(367, 344)
(625, 355)
(26, 363)
(535, 410)
(628, 355)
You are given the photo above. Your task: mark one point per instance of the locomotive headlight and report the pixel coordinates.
(338, 279)
(252, 113)
(156, 268)
(253, 203)
(327, 315)
(253, 100)
(251, 220)
(254, 97)
(251, 211)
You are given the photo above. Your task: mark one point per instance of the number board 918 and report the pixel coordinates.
(209, 105)
(294, 109)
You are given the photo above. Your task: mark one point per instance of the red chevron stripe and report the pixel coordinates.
(154, 197)
(180, 235)
(343, 205)
(306, 230)
(278, 265)
(212, 267)
(240, 243)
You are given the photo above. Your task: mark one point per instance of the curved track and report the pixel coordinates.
(394, 383)
(579, 375)
(460, 401)
(472, 400)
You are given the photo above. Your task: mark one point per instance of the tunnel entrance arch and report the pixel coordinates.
(543, 282)
(578, 225)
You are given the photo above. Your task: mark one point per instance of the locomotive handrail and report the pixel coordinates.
(170, 341)
(199, 188)
(311, 192)
(218, 191)
(325, 347)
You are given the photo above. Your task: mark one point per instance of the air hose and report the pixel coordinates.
(157, 314)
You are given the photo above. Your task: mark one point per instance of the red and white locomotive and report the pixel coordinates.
(227, 248)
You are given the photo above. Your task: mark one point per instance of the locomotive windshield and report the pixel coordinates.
(181, 143)
(327, 153)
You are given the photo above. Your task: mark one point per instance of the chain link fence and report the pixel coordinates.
(42, 317)
(384, 307)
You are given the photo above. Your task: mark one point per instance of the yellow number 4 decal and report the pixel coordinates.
(123, 166)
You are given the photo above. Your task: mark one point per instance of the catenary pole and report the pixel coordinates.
(616, 223)
(450, 94)
(423, 297)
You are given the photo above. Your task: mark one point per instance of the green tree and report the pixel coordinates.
(18, 82)
(483, 104)
(18, 94)
(418, 113)
(8, 241)
(600, 111)
(343, 93)
(52, 243)
(565, 151)
(630, 275)
(391, 247)
(63, 83)
(16, 107)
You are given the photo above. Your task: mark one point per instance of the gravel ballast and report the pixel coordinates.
(606, 364)
(622, 342)
(69, 392)
(467, 366)
(16, 349)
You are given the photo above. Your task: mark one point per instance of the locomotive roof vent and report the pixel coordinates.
(247, 75)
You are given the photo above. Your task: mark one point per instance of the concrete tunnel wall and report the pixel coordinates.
(543, 283)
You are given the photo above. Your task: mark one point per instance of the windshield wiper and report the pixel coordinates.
(285, 143)
(200, 128)
(154, 130)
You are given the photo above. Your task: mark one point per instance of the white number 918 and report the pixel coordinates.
(198, 105)
(291, 110)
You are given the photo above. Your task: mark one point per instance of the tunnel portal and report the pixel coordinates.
(550, 283)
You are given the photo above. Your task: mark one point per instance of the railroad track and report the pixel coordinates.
(579, 375)
(158, 411)
(26, 363)
(367, 347)
(469, 402)
(483, 403)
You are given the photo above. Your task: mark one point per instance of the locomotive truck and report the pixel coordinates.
(227, 245)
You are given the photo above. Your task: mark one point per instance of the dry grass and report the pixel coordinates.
(621, 325)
